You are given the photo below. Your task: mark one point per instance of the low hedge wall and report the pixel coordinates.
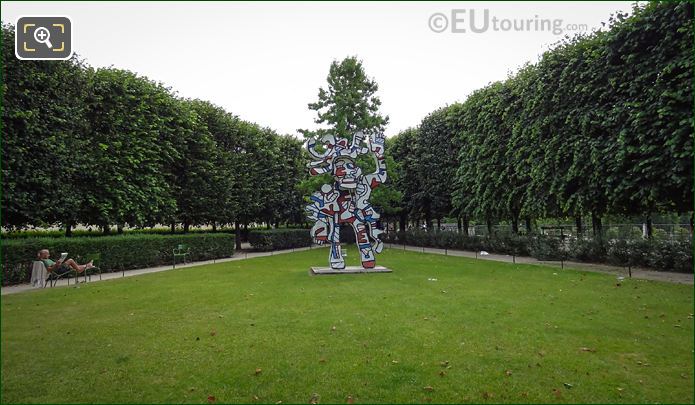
(122, 252)
(277, 239)
(41, 233)
(664, 255)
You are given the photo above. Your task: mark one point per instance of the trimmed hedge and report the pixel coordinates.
(663, 255)
(42, 233)
(122, 252)
(277, 239)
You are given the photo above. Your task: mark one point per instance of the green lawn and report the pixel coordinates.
(262, 330)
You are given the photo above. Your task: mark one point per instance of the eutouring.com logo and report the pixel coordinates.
(461, 21)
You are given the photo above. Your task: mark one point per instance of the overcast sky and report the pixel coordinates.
(265, 61)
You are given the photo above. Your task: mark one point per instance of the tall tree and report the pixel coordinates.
(349, 103)
(43, 145)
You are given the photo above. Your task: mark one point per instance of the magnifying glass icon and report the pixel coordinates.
(43, 36)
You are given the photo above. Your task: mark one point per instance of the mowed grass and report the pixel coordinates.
(262, 330)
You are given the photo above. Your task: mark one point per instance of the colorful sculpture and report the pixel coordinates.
(346, 201)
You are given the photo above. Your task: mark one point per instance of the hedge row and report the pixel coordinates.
(276, 239)
(41, 233)
(122, 252)
(663, 255)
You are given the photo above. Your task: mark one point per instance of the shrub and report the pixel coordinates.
(120, 252)
(276, 239)
(657, 254)
(544, 247)
(41, 233)
(587, 250)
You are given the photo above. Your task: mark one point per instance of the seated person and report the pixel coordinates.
(61, 267)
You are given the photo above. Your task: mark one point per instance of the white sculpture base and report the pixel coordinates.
(319, 271)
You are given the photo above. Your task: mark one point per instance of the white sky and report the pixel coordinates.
(265, 61)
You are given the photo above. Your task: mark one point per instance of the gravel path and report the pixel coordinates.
(641, 273)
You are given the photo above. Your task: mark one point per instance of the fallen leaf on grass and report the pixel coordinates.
(557, 392)
(314, 398)
(258, 371)
(278, 402)
(487, 395)
(394, 361)
(568, 386)
(255, 398)
(508, 373)
(211, 399)
(333, 328)
(350, 400)
(442, 373)
(428, 388)
(444, 363)
(587, 349)
(213, 333)
(322, 360)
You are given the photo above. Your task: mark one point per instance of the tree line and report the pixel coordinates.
(107, 147)
(600, 125)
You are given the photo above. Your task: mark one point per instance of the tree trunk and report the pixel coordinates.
(439, 224)
(68, 230)
(105, 229)
(214, 226)
(692, 223)
(529, 226)
(119, 229)
(237, 235)
(403, 221)
(428, 220)
(186, 225)
(515, 224)
(578, 224)
(173, 227)
(650, 230)
(489, 227)
(466, 224)
(458, 224)
(596, 225)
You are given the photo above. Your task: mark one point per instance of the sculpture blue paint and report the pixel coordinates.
(346, 201)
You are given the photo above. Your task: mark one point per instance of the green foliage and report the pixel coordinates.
(663, 255)
(109, 147)
(602, 124)
(277, 239)
(41, 233)
(121, 252)
(44, 123)
(349, 104)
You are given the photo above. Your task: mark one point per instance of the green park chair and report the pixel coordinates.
(181, 250)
